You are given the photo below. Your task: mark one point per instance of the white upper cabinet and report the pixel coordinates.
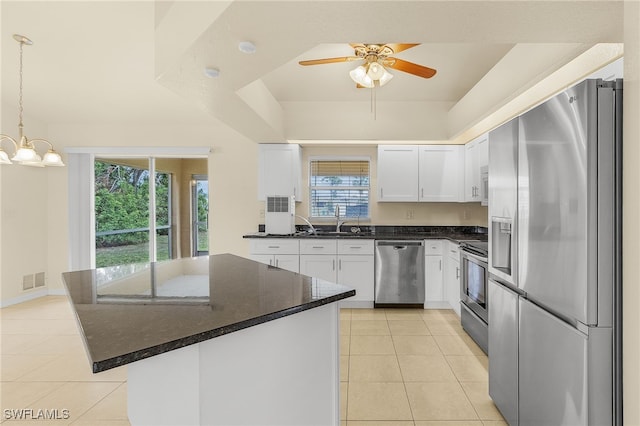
(279, 170)
(397, 172)
(429, 173)
(476, 155)
(441, 173)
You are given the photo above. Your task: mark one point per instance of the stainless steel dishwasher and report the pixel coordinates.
(399, 273)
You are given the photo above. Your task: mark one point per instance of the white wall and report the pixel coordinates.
(24, 213)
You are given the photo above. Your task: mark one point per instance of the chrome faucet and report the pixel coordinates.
(312, 229)
(338, 222)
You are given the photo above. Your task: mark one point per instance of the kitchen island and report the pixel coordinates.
(214, 340)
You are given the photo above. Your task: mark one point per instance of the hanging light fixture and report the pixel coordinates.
(370, 75)
(25, 152)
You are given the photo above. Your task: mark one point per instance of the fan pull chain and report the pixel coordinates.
(374, 103)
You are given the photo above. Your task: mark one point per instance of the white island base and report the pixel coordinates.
(281, 372)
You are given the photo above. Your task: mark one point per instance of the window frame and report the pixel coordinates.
(338, 158)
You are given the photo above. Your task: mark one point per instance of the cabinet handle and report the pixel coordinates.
(334, 264)
(441, 264)
(277, 263)
(318, 247)
(422, 192)
(355, 247)
(340, 264)
(270, 262)
(381, 193)
(457, 272)
(273, 247)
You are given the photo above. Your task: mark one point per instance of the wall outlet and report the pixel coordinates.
(261, 212)
(465, 214)
(409, 214)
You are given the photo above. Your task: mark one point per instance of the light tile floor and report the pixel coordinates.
(398, 368)
(412, 367)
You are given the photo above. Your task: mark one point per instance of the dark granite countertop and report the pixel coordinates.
(131, 312)
(453, 233)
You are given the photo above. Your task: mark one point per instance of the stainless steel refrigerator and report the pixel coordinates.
(554, 260)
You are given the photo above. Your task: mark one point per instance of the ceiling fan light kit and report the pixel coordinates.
(376, 59)
(360, 76)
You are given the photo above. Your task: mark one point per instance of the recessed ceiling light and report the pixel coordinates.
(247, 47)
(212, 72)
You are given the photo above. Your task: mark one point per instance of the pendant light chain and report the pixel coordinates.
(20, 107)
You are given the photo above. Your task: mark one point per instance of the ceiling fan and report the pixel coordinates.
(376, 58)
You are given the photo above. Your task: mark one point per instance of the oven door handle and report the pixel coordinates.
(474, 256)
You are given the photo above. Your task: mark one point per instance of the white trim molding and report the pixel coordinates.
(143, 151)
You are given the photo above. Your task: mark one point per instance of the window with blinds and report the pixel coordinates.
(343, 183)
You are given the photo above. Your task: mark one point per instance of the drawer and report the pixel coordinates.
(453, 251)
(274, 246)
(313, 246)
(433, 247)
(353, 246)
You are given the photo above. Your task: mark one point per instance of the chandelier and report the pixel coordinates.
(25, 150)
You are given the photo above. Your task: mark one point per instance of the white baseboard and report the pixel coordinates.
(33, 295)
(24, 297)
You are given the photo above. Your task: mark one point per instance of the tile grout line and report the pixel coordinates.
(404, 383)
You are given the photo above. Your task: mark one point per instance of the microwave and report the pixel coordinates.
(484, 185)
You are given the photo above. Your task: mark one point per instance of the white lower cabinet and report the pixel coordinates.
(279, 252)
(349, 262)
(356, 268)
(318, 258)
(321, 266)
(434, 282)
(452, 276)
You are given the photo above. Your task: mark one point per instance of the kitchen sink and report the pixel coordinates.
(321, 233)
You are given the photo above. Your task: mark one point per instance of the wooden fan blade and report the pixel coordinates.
(399, 47)
(329, 60)
(409, 67)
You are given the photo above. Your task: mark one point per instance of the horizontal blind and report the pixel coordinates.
(339, 183)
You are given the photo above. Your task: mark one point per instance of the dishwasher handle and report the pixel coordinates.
(398, 245)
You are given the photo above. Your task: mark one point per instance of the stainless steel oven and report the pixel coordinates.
(474, 291)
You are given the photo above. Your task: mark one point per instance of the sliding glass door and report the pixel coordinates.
(124, 200)
(200, 213)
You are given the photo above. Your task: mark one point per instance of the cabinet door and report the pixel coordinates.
(452, 283)
(287, 261)
(470, 168)
(441, 173)
(319, 266)
(357, 272)
(433, 279)
(267, 259)
(397, 173)
(476, 155)
(279, 170)
(483, 151)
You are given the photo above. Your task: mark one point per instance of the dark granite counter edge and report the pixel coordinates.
(106, 364)
(386, 232)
